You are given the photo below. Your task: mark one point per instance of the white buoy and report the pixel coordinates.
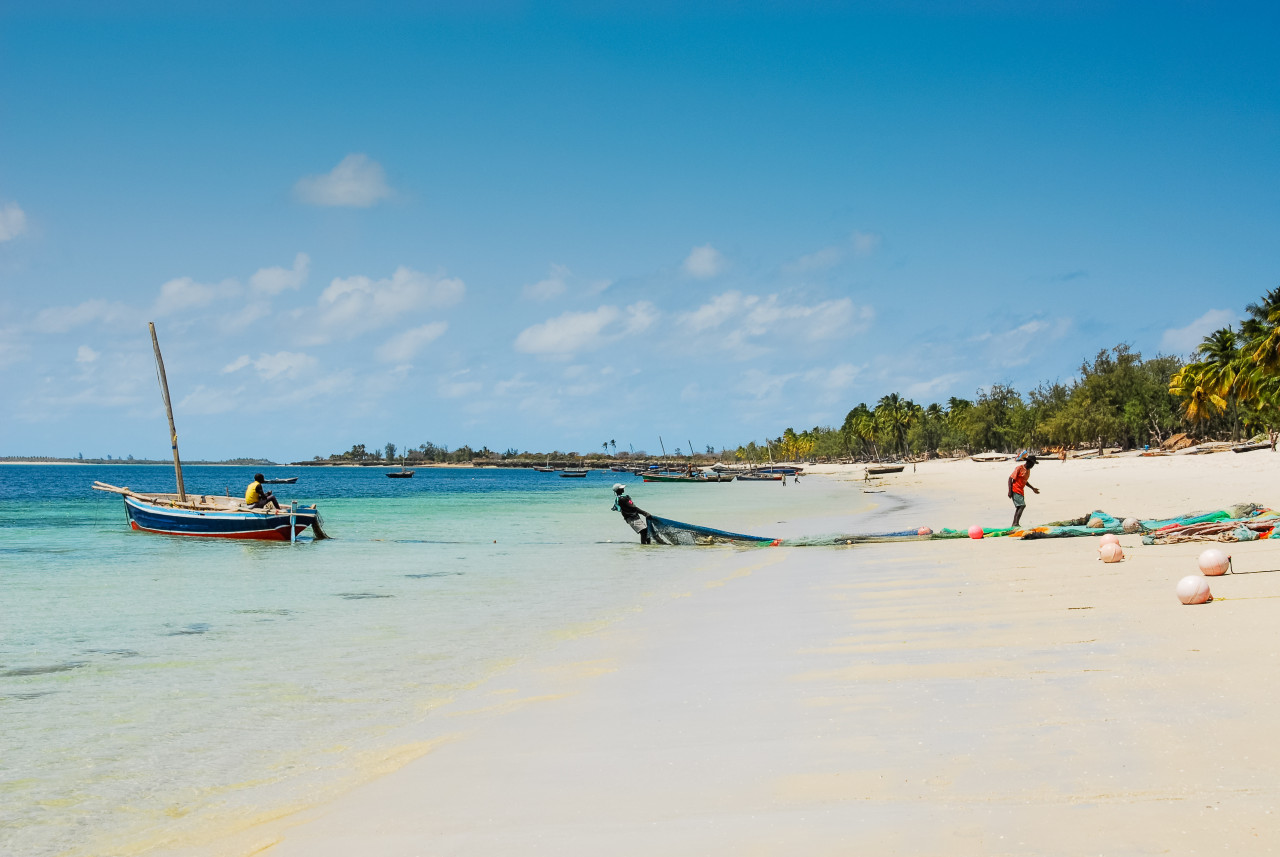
(1194, 589)
(1131, 525)
(1109, 539)
(1111, 552)
(1214, 562)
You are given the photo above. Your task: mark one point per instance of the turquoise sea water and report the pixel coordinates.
(155, 690)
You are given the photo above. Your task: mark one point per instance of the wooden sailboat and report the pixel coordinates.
(402, 473)
(207, 515)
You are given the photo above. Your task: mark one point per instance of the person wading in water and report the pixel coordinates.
(635, 517)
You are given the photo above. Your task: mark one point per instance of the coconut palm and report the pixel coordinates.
(1200, 400)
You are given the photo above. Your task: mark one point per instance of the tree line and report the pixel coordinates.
(1230, 388)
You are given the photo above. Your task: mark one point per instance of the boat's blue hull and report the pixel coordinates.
(216, 523)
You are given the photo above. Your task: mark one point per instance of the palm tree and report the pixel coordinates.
(1199, 400)
(896, 415)
(1221, 372)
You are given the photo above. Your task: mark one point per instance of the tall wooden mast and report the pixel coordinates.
(168, 409)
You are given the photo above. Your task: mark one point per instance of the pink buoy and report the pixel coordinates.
(1214, 562)
(1109, 539)
(924, 531)
(1111, 552)
(975, 532)
(1194, 589)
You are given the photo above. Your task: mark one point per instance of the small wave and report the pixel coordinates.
(358, 596)
(193, 628)
(45, 670)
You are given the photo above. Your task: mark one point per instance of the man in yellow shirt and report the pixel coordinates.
(257, 496)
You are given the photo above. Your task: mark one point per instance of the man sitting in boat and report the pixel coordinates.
(635, 517)
(258, 497)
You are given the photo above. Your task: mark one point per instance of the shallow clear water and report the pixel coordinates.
(153, 688)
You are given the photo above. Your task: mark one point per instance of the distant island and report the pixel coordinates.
(80, 459)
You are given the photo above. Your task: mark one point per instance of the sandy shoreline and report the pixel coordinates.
(992, 697)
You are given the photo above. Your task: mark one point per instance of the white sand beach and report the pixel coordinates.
(950, 697)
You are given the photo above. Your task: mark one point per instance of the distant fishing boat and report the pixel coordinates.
(687, 478)
(402, 473)
(756, 476)
(881, 469)
(207, 515)
(289, 481)
(574, 473)
(538, 468)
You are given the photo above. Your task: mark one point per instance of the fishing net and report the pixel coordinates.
(664, 531)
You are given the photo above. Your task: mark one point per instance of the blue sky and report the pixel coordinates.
(549, 225)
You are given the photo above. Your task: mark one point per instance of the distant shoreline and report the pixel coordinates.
(100, 463)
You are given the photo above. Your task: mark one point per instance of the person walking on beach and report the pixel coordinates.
(635, 517)
(1019, 481)
(258, 497)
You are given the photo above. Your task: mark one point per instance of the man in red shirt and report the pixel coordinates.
(1018, 482)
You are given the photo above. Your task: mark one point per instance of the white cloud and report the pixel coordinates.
(403, 346)
(12, 348)
(357, 181)
(274, 280)
(553, 286)
(13, 221)
(184, 293)
(1184, 340)
(97, 311)
(456, 386)
(931, 386)
(515, 386)
(1016, 347)
(236, 365)
(203, 400)
(836, 378)
(865, 243)
(585, 331)
(355, 305)
(821, 260)
(704, 262)
(282, 364)
(85, 354)
(753, 316)
(860, 244)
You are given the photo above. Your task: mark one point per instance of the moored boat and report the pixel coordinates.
(287, 481)
(756, 476)
(881, 469)
(213, 516)
(208, 515)
(686, 478)
(574, 473)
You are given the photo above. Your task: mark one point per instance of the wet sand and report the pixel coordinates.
(959, 697)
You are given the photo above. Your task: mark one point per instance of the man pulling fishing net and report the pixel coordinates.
(635, 517)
